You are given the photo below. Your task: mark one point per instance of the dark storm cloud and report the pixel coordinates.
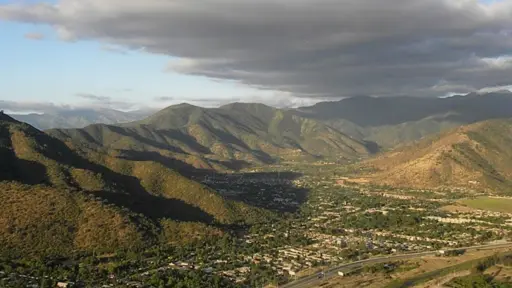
(322, 48)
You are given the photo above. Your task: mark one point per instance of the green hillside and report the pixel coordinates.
(390, 121)
(220, 137)
(56, 201)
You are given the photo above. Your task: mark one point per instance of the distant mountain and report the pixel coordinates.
(56, 201)
(212, 137)
(477, 156)
(79, 118)
(390, 121)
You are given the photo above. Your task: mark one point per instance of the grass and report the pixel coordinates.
(422, 278)
(402, 283)
(490, 204)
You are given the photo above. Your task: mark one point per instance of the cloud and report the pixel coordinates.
(93, 97)
(25, 107)
(113, 49)
(163, 99)
(212, 101)
(309, 49)
(34, 36)
(279, 100)
(52, 108)
(92, 101)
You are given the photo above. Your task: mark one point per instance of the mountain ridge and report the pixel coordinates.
(254, 133)
(390, 121)
(474, 156)
(80, 117)
(98, 200)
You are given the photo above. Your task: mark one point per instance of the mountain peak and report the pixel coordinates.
(6, 118)
(182, 105)
(243, 105)
(476, 153)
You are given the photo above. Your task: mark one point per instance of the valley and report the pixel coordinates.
(333, 225)
(245, 195)
(256, 144)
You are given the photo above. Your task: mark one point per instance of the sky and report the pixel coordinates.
(153, 53)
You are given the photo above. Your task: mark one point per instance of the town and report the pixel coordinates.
(323, 222)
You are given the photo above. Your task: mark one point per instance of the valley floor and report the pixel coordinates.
(321, 223)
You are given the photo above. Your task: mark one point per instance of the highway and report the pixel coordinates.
(310, 281)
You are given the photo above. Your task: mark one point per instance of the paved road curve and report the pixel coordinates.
(313, 280)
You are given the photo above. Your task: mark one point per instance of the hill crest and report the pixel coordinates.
(125, 203)
(475, 156)
(253, 133)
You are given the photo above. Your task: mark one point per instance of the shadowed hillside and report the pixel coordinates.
(477, 156)
(52, 195)
(390, 121)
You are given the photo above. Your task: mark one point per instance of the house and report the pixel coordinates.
(134, 284)
(208, 270)
(244, 270)
(62, 284)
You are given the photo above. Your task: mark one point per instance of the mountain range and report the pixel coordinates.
(80, 117)
(384, 122)
(390, 121)
(237, 133)
(126, 186)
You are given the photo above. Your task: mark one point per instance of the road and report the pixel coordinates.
(310, 281)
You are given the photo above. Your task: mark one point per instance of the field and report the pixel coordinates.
(503, 205)
(431, 271)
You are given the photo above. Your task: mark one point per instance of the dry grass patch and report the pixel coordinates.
(457, 209)
(502, 205)
(426, 264)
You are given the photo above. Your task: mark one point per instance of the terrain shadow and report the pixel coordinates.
(274, 191)
(37, 175)
(372, 147)
(184, 168)
(367, 111)
(168, 162)
(259, 189)
(157, 207)
(11, 166)
(145, 140)
(129, 192)
(185, 139)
